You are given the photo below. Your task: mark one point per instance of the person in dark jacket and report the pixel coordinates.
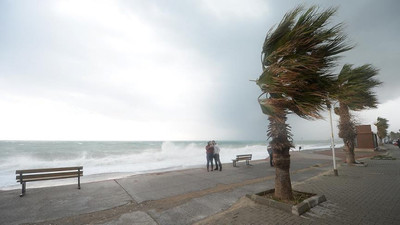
(210, 156)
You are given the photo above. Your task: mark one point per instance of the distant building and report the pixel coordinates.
(366, 140)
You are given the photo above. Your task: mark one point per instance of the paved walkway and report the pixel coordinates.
(359, 195)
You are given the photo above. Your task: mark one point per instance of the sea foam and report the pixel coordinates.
(108, 160)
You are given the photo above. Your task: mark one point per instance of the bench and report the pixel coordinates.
(245, 157)
(31, 175)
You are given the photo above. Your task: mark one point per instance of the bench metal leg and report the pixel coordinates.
(23, 189)
(79, 178)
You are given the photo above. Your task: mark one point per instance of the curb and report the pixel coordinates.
(307, 204)
(298, 209)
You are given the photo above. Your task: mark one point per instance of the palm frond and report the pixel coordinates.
(382, 126)
(355, 87)
(297, 57)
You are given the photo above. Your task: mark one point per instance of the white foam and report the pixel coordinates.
(168, 156)
(112, 162)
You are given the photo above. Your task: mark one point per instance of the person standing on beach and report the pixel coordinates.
(210, 155)
(216, 156)
(270, 153)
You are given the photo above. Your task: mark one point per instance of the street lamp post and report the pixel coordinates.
(335, 171)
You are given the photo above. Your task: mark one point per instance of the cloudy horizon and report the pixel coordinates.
(165, 70)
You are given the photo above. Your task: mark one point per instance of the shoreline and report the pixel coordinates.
(183, 196)
(92, 178)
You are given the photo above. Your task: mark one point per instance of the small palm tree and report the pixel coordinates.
(296, 59)
(382, 126)
(353, 91)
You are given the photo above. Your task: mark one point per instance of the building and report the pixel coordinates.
(366, 140)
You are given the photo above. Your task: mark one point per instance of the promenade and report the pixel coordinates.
(359, 195)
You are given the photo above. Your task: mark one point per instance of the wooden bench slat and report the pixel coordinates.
(47, 175)
(50, 178)
(244, 157)
(48, 170)
(30, 175)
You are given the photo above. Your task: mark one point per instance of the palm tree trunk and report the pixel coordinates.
(283, 185)
(279, 131)
(349, 149)
(347, 132)
(380, 142)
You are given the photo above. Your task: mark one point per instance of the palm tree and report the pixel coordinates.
(296, 59)
(394, 135)
(382, 126)
(353, 91)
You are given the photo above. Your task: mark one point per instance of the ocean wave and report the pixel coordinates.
(119, 157)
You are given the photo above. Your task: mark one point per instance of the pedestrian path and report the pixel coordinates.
(359, 195)
(196, 196)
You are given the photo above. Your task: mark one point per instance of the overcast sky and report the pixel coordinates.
(165, 70)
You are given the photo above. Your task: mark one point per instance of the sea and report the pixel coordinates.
(102, 160)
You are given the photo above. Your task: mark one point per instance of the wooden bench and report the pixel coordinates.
(31, 175)
(245, 157)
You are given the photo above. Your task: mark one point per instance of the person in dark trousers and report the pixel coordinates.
(270, 152)
(210, 155)
(216, 156)
(398, 142)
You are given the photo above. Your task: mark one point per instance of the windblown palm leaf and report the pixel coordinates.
(296, 60)
(354, 91)
(354, 87)
(382, 126)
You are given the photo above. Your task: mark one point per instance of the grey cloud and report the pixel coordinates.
(236, 47)
(231, 47)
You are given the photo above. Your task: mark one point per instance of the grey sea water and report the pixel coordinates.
(103, 158)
